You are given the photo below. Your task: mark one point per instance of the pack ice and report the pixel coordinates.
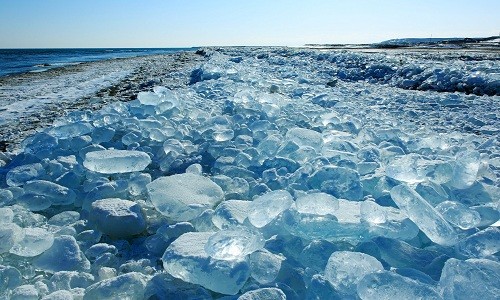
(269, 173)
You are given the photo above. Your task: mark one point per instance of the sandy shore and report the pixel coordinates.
(30, 102)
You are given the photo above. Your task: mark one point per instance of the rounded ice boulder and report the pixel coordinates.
(118, 218)
(183, 197)
(116, 161)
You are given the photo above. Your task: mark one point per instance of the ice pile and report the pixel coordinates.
(268, 176)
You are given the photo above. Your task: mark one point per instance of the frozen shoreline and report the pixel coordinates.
(30, 102)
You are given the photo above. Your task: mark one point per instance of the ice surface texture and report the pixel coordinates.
(265, 174)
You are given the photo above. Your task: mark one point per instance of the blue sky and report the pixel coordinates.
(184, 23)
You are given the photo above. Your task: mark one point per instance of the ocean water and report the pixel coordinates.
(15, 61)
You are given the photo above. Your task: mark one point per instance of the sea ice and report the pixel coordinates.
(424, 215)
(317, 203)
(126, 286)
(10, 234)
(481, 244)
(234, 243)
(385, 169)
(470, 279)
(118, 218)
(73, 259)
(55, 193)
(265, 266)
(183, 197)
(340, 182)
(24, 292)
(22, 174)
(265, 293)
(116, 161)
(230, 213)
(187, 259)
(459, 215)
(344, 269)
(34, 242)
(267, 207)
(305, 137)
(389, 285)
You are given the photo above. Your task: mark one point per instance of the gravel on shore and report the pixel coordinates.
(30, 102)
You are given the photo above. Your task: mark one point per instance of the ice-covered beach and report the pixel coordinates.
(254, 173)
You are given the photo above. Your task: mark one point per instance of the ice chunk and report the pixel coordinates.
(55, 193)
(230, 213)
(63, 255)
(267, 207)
(70, 130)
(459, 214)
(481, 244)
(6, 215)
(265, 266)
(24, 292)
(316, 254)
(148, 98)
(65, 218)
(116, 161)
(465, 169)
(183, 197)
(118, 218)
(41, 145)
(127, 286)
(399, 254)
(264, 293)
(34, 242)
(305, 137)
(470, 279)
(389, 285)
(67, 280)
(233, 243)
(187, 259)
(317, 203)
(59, 295)
(424, 215)
(340, 182)
(344, 269)
(10, 234)
(22, 174)
(407, 168)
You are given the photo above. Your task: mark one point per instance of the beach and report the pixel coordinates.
(30, 102)
(257, 166)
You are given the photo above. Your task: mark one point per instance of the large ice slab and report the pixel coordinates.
(63, 255)
(187, 259)
(118, 218)
(34, 242)
(424, 215)
(389, 285)
(470, 279)
(127, 286)
(116, 161)
(183, 197)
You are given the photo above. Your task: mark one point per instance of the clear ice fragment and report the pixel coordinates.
(118, 218)
(234, 243)
(183, 197)
(116, 161)
(267, 207)
(428, 220)
(187, 259)
(344, 269)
